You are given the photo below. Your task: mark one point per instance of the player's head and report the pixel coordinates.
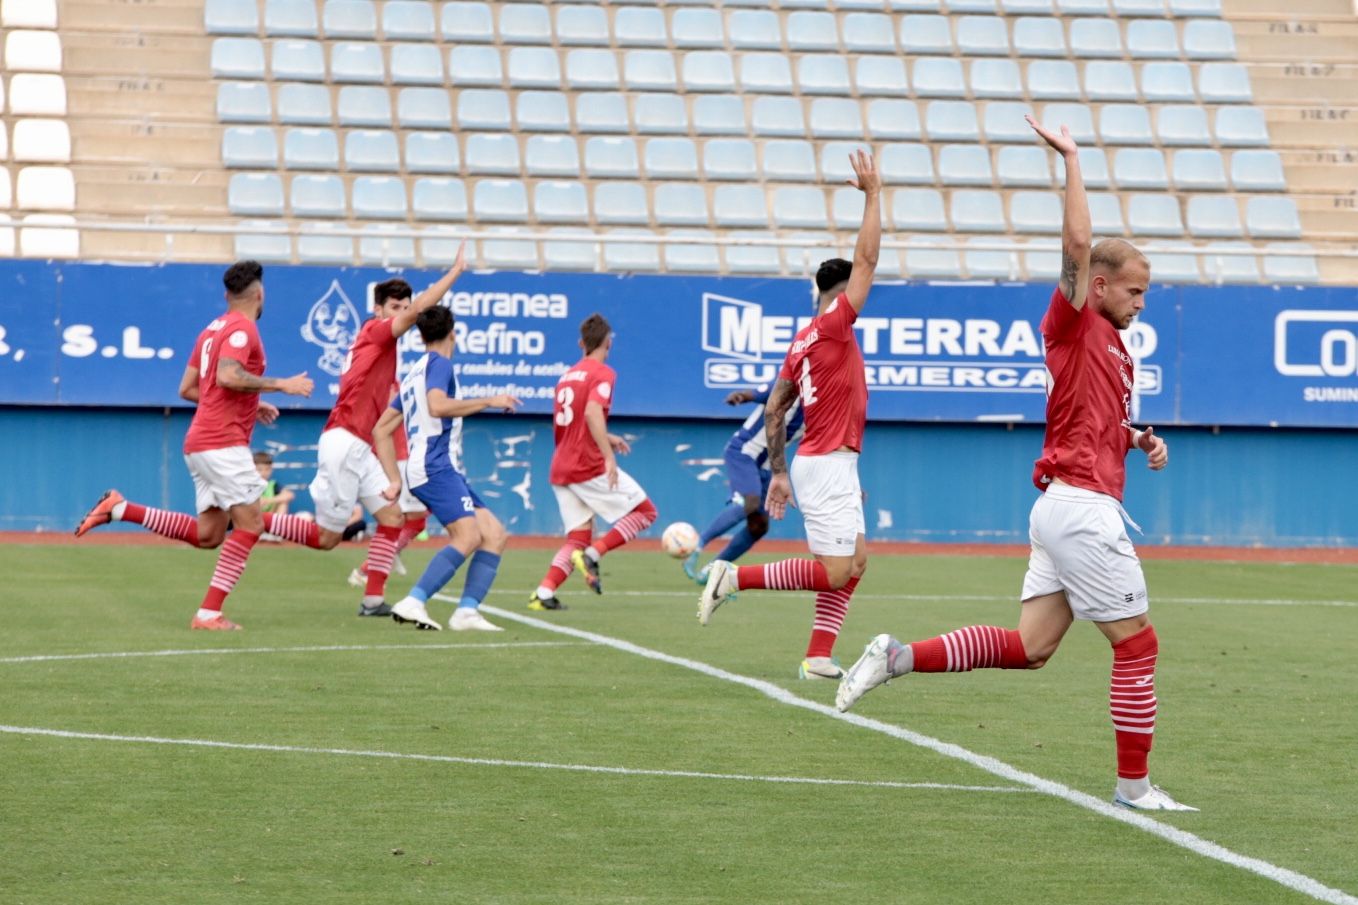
(264, 464)
(596, 334)
(831, 279)
(390, 298)
(244, 282)
(435, 324)
(1119, 276)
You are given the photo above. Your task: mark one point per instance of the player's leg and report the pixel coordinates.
(452, 503)
(232, 486)
(481, 571)
(416, 519)
(627, 507)
(334, 492)
(831, 608)
(756, 523)
(578, 520)
(742, 475)
(113, 507)
(372, 482)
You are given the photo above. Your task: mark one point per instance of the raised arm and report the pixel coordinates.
(869, 243)
(782, 396)
(440, 406)
(1076, 232)
(431, 296)
(232, 375)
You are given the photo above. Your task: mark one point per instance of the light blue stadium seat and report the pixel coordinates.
(416, 64)
(951, 121)
(1105, 214)
(1224, 268)
(507, 251)
(893, 119)
(729, 159)
(680, 204)
(660, 114)
(377, 247)
(698, 29)
(423, 108)
(1076, 117)
(916, 210)
(671, 158)
(631, 257)
(290, 18)
(371, 150)
(574, 250)
(437, 198)
(1042, 259)
(364, 105)
(582, 25)
(1023, 166)
(925, 34)
(230, 17)
(604, 112)
(868, 33)
(964, 165)
(812, 31)
(264, 247)
(1154, 215)
(708, 70)
(1164, 81)
(977, 211)
(318, 196)
(692, 258)
(649, 70)
(482, 109)
(907, 164)
(989, 263)
(379, 198)
(1195, 8)
(408, 20)
(317, 244)
(931, 259)
(1004, 122)
(355, 62)
(636, 26)
(823, 74)
(349, 19)
(500, 201)
(1272, 217)
(1174, 267)
(846, 209)
(1209, 39)
(525, 23)
(560, 202)
(534, 67)
(1093, 167)
(244, 102)
(621, 203)
(1036, 212)
(972, 6)
(432, 152)
(1053, 80)
(775, 116)
(1131, 9)
(836, 117)
(492, 155)
(715, 114)
(1095, 38)
(551, 155)
(1125, 124)
(1039, 36)
(1152, 38)
(471, 65)
(938, 77)
(835, 168)
(1140, 168)
(799, 207)
(542, 111)
(983, 36)
(752, 258)
(462, 22)
(237, 58)
(881, 76)
(1214, 217)
(755, 30)
(301, 61)
(1178, 125)
(1224, 83)
(739, 205)
(304, 105)
(1241, 127)
(995, 79)
(310, 148)
(1026, 7)
(1290, 264)
(249, 147)
(789, 161)
(765, 73)
(1199, 169)
(1257, 171)
(607, 157)
(1082, 7)
(1110, 80)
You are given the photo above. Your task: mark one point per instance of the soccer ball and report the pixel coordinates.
(679, 540)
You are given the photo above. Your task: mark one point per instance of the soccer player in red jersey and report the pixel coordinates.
(1082, 564)
(824, 367)
(585, 475)
(225, 376)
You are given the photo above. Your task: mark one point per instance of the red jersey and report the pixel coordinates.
(365, 382)
(225, 418)
(577, 457)
(1089, 400)
(826, 366)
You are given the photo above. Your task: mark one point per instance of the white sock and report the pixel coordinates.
(117, 511)
(371, 600)
(208, 614)
(591, 554)
(1132, 789)
(545, 593)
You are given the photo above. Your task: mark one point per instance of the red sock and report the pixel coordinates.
(973, 647)
(381, 554)
(627, 527)
(788, 575)
(1131, 700)
(294, 528)
(831, 608)
(230, 565)
(413, 528)
(561, 567)
(174, 525)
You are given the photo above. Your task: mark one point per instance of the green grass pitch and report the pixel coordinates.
(1258, 726)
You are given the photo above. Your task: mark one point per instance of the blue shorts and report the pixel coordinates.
(448, 497)
(746, 478)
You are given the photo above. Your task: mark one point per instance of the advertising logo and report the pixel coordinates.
(332, 323)
(1320, 345)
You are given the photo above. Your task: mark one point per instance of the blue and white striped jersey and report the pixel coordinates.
(751, 440)
(435, 443)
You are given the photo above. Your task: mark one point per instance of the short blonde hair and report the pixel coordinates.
(1113, 254)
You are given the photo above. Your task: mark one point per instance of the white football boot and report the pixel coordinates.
(720, 587)
(871, 670)
(820, 668)
(1157, 799)
(412, 610)
(469, 619)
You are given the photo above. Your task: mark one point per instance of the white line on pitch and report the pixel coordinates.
(1196, 844)
(496, 762)
(414, 646)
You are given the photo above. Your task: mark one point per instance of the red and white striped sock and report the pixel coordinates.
(561, 566)
(1131, 701)
(973, 647)
(414, 526)
(174, 525)
(230, 565)
(626, 528)
(294, 528)
(831, 608)
(381, 554)
(788, 575)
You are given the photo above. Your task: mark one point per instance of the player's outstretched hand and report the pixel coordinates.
(505, 401)
(460, 262)
(619, 444)
(1061, 142)
(1155, 448)
(780, 495)
(297, 385)
(392, 492)
(739, 397)
(612, 473)
(866, 178)
(267, 413)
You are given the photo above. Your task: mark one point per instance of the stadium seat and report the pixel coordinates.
(1230, 268)
(1199, 170)
(601, 112)
(423, 108)
(432, 152)
(916, 210)
(755, 30)
(294, 60)
(1140, 168)
(1036, 212)
(264, 247)
(692, 258)
(1257, 171)
(525, 23)
(1152, 38)
(607, 157)
(244, 102)
(938, 77)
(1125, 124)
(1042, 259)
(582, 25)
(775, 116)
(1105, 214)
(1075, 117)
(483, 109)
(32, 51)
(812, 31)
(575, 250)
(715, 114)
(951, 121)
(51, 188)
(1290, 264)
(621, 203)
(868, 33)
(649, 70)
(255, 193)
(1224, 83)
(591, 69)
(492, 155)
(1182, 125)
(1039, 36)
(972, 6)
(350, 19)
(1209, 39)
(989, 263)
(671, 158)
(739, 205)
(500, 200)
(377, 247)
(974, 211)
(698, 29)
(355, 62)
(881, 76)
(789, 161)
(660, 114)
(1023, 166)
(552, 155)
(1095, 38)
(230, 17)
(921, 35)
(964, 165)
(765, 73)
(316, 196)
(472, 65)
(636, 26)
(542, 111)
(1026, 7)
(753, 258)
(835, 168)
(304, 105)
(800, 207)
(317, 244)
(1214, 217)
(1174, 266)
(680, 204)
(1193, 8)
(834, 117)
(1154, 215)
(37, 94)
(436, 198)
(416, 64)
(823, 74)
(1272, 217)
(1241, 127)
(708, 70)
(1093, 167)
(631, 257)
(536, 67)
(508, 252)
(1167, 82)
(931, 259)
(995, 79)
(311, 150)
(982, 36)
(4, 153)
(906, 164)
(893, 119)
(1130, 9)
(846, 208)
(1053, 80)
(290, 18)
(464, 22)
(1004, 122)
(243, 147)
(364, 105)
(237, 58)
(408, 20)
(47, 236)
(1110, 80)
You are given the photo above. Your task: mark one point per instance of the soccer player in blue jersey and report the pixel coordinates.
(747, 455)
(433, 415)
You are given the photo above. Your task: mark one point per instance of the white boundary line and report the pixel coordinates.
(118, 655)
(496, 762)
(1196, 844)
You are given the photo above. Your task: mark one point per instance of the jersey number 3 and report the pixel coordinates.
(565, 398)
(805, 387)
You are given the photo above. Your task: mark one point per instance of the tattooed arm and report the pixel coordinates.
(1076, 231)
(775, 429)
(232, 375)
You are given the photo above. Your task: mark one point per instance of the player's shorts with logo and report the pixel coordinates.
(746, 478)
(223, 478)
(1080, 546)
(408, 502)
(581, 502)
(347, 471)
(447, 495)
(831, 501)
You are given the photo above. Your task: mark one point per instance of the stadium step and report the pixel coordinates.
(1238, 9)
(1323, 126)
(135, 192)
(174, 16)
(1315, 40)
(1321, 171)
(113, 142)
(177, 100)
(122, 246)
(1302, 83)
(139, 55)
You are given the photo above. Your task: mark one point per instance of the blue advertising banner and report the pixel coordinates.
(100, 334)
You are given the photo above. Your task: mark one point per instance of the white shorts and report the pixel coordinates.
(1080, 546)
(223, 478)
(347, 471)
(831, 500)
(581, 502)
(407, 501)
